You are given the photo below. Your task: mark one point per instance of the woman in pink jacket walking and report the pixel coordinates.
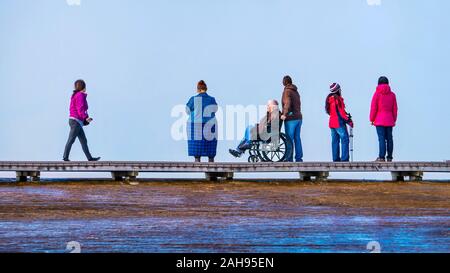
(383, 115)
(78, 118)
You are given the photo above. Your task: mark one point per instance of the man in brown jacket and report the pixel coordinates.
(292, 115)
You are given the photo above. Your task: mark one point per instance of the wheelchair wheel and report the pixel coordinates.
(276, 154)
(253, 159)
(255, 151)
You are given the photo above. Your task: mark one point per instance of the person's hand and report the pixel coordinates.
(283, 117)
(372, 123)
(89, 120)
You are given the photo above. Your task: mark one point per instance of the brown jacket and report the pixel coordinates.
(291, 103)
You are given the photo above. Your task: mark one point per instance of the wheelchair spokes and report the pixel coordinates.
(253, 159)
(274, 151)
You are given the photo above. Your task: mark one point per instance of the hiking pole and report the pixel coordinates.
(351, 125)
(351, 144)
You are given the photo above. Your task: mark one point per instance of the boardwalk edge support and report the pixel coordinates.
(319, 176)
(413, 176)
(214, 176)
(127, 176)
(22, 176)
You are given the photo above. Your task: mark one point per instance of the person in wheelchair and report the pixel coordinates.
(265, 130)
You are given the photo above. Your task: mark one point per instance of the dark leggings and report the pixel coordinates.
(386, 142)
(76, 131)
(199, 159)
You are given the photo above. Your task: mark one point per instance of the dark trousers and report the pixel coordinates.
(76, 131)
(385, 141)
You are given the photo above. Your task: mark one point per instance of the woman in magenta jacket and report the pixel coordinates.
(78, 118)
(383, 115)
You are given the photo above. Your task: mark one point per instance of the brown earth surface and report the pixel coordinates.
(189, 216)
(181, 199)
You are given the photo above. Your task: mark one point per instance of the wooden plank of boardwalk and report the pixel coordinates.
(130, 169)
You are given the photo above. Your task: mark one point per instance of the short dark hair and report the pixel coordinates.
(80, 85)
(383, 80)
(287, 80)
(201, 86)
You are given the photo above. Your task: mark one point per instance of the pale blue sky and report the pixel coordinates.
(141, 58)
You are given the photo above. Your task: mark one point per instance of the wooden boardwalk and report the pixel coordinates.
(129, 170)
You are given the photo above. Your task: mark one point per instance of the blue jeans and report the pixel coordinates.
(340, 135)
(246, 141)
(293, 129)
(385, 141)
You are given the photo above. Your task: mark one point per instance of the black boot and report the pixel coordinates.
(235, 153)
(95, 159)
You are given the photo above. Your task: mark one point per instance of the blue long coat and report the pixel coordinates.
(202, 125)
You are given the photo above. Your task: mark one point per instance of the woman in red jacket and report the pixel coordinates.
(335, 107)
(383, 115)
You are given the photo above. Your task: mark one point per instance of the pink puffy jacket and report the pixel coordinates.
(79, 106)
(384, 108)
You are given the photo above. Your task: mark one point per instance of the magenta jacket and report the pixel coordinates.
(384, 107)
(79, 106)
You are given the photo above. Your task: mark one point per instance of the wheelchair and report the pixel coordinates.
(272, 150)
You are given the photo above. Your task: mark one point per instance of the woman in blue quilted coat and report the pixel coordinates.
(202, 124)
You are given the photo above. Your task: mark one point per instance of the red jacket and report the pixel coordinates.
(384, 108)
(335, 103)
